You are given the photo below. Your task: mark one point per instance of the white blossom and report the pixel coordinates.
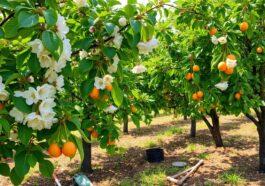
(31, 79)
(4, 95)
(116, 59)
(111, 109)
(37, 46)
(138, 69)
(222, 40)
(113, 68)
(47, 106)
(115, 31)
(83, 54)
(214, 40)
(122, 21)
(146, 48)
(118, 40)
(60, 83)
(222, 85)
(45, 60)
(81, 3)
(17, 115)
(31, 95)
(46, 91)
(35, 121)
(108, 79)
(231, 63)
(13, 136)
(62, 28)
(67, 50)
(92, 29)
(51, 75)
(99, 83)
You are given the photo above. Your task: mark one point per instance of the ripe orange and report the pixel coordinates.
(200, 94)
(111, 142)
(212, 31)
(94, 134)
(90, 129)
(244, 26)
(133, 109)
(54, 150)
(192, 76)
(188, 76)
(237, 96)
(259, 50)
(195, 97)
(2, 106)
(196, 68)
(231, 56)
(229, 71)
(95, 94)
(109, 87)
(222, 66)
(69, 149)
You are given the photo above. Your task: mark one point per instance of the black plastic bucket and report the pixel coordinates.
(154, 155)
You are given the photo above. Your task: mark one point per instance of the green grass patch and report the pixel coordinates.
(233, 177)
(150, 144)
(203, 155)
(191, 147)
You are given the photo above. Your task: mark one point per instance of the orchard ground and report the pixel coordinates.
(234, 165)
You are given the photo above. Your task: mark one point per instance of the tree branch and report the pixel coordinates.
(252, 118)
(207, 122)
(7, 18)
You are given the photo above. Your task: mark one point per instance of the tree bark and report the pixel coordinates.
(261, 132)
(185, 117)
(125, 124)
(214, 128)
(193, 128)
(86, 166)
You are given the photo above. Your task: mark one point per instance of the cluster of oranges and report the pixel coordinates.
(197, 96)
(95, 93)
(190, 76)
(69, 149)
(238, 95)
(223, 67)
(94, 134)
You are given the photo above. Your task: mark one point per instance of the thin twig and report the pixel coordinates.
(7, 18)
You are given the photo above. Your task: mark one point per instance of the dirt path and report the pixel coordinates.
(237, 163)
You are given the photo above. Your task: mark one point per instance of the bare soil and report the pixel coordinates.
(241, 152)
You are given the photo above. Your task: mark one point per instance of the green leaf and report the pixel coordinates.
(109, 52)
(110, 28)
(86, 87)
(20, 104)
(4, 169)
(52, 3)
(22, 57)
(79, 144)
(131, 1)
(85, 65)
(22, 166)
(5, 125)
(83, 43)
(27, 19)
(136, 121)
(5, 5)
(50, 17)
(32, 160)
(51, 41)
(117, 94)
(11, 78)
(11, 28)
(16, 178)
(78, 126)
(34, 64)
(46, 168)
(24, 134)
(136, 25)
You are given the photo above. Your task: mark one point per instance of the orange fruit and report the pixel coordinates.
(259, 50)
(237, 96)
(229, 71)
(192, 76)
(200, 94)
(195, 97)
(133, 109)
(222, 66)
(54, 150)
(95, 94)
(2, 106)
(94, 134)
(196, 68)
(231, 56)
(109, 87)
(111, 142)
(243, 26)
(212, 31)
(90, 129)
(69, 149)
(188, 76)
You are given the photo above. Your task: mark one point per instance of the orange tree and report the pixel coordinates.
(62, 66)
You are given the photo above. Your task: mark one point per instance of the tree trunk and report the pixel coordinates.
(86, 166)
(193, 128)
(261, 132)
(185, 117)
(125, 124)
